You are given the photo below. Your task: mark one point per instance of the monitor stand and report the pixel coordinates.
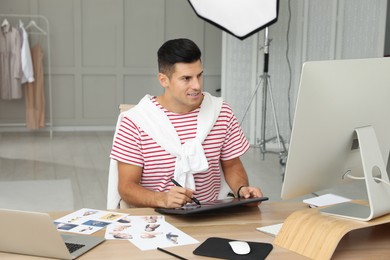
(316, 236)
(378, 192)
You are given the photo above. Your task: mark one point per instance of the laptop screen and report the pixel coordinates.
(34, 233)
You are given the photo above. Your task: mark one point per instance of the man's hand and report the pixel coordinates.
(250, 192)
(236, 177)
(129, 177)
(177, 197)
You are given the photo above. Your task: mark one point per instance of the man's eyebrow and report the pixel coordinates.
(189, 76)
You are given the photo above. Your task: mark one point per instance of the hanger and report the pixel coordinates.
(5, 22)
(33, 24)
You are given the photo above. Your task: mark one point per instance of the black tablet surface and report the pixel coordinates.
(209, 205)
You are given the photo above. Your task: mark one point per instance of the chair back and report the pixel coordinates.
(113, 198)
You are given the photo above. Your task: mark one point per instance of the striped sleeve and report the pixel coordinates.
(235, 143)
(127, 144)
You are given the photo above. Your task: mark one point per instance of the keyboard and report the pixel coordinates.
(73, 247)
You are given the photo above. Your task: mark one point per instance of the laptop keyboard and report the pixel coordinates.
(73, 247)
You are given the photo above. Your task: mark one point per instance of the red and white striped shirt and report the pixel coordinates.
(225, 141)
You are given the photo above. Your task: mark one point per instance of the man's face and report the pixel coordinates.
(183, 90)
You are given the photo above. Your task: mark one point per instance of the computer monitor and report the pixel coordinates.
(342, 122)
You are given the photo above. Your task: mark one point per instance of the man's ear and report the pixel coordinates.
(164, 80)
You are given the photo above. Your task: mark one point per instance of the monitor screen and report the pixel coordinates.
(336, 97)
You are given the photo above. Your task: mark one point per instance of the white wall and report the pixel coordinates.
(103, 53)
(318, 30)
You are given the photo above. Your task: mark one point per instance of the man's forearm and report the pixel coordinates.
(235, 174)
(139, 196)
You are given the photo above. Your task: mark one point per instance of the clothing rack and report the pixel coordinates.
(46, 32)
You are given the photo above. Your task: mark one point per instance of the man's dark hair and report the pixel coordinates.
(175, 51)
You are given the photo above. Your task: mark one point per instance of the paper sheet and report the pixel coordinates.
(271, 229)
(148, 232)
(87, 221)
(325, 200)
(145, 232)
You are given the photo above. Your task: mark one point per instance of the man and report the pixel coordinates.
(183, 134)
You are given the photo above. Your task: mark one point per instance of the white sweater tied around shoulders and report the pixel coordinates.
(190, 156)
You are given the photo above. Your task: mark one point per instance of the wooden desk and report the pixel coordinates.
(240, 224)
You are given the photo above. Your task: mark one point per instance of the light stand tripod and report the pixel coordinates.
(267, 88)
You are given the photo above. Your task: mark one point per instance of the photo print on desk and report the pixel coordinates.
(148, 232)
(87, 221)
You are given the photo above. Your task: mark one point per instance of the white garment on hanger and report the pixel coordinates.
(25, 52)
(5, 22)
(10, 63)
(33, 24)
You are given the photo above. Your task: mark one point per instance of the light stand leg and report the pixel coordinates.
(282, 146)
(265, 78)
(265, 82)
(267, 89)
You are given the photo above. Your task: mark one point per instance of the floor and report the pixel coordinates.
(82, 158)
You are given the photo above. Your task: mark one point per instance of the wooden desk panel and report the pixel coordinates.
(319, 236)
(240, 223)
(368, 243)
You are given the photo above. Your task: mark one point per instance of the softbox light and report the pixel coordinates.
(241, 18)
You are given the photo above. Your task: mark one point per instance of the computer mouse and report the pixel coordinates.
(240, 247)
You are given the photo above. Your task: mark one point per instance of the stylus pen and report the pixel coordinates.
(172, 254)
(193, 198)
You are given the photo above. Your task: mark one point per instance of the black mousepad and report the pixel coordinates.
(219, 248)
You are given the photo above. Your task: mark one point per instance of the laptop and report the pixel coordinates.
(209, 206)
(34, 233)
